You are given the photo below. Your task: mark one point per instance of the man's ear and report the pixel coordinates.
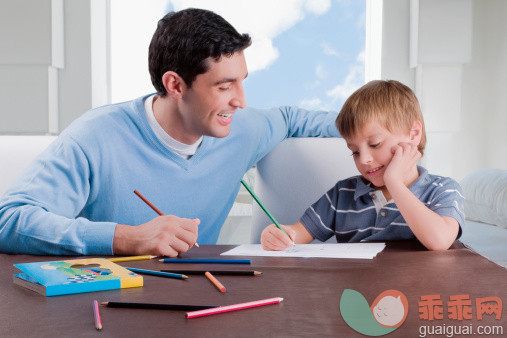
(416, 132)
(174, 84)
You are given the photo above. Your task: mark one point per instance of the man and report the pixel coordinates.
(185, 149)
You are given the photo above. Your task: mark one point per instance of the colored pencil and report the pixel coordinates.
(152, 306)
(145, 200)
(265, 210)
(217, 272)
(215, 281)
(207, 261)
(235, 307)
(158, 273)
(96, 315)
(148, 203)
(131, 258)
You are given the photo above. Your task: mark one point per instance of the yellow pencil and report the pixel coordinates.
(131, 258)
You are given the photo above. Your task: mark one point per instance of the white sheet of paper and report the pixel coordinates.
(325, 250)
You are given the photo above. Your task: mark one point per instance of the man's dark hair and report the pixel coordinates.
(185, 39)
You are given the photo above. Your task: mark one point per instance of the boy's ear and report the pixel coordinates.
(416, 132)
(174, 84)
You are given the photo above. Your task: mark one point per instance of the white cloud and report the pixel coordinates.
(318, 6)
(311, 104)
(320, 72)
(328, 50)
(129, 75)
(262, 19)
(339, 93)
(353, 80)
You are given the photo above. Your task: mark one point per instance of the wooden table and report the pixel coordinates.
(311, 288)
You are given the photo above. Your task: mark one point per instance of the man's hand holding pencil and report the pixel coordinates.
(166, 235)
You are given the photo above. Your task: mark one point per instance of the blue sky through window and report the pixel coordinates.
(308, 53)
(319, 54)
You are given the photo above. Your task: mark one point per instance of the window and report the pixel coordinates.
(308, 53)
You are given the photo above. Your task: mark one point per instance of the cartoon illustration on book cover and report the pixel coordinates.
(79, 273)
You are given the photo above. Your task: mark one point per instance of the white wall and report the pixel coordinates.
(52, 68)
(396, 42)
(482, 140)
(461, 89)
(84, 81)
(31, 52)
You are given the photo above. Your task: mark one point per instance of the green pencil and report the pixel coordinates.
(265, 210)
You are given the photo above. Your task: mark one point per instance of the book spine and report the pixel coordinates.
(132, 282)
(71, 288)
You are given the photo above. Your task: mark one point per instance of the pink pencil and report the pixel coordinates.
(234, 307)
(96, 315)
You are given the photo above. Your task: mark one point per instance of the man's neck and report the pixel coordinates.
(167, 114)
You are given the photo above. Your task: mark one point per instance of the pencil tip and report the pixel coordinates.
(184, 276)
(98, 327)
(257, 273)
(280, 298)
(104, 303)
(151, 256)
(160, 260)
(197, 245)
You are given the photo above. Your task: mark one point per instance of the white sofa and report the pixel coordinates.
(16, 152)
(485, 230)
(294, 175)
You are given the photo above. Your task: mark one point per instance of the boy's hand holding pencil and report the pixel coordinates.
(276, 224)
(272, 238)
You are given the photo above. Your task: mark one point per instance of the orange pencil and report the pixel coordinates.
(215, 281)
(153, 207)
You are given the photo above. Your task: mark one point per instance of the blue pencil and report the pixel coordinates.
(207, 261)
(157, 273)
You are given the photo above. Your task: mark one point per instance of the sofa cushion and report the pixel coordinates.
(486, 196)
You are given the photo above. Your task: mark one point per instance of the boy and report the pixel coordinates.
(393, 198)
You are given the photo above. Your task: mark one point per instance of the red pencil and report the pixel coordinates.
(153, 207)
(96, 315)
(148, 202)
(234, 307)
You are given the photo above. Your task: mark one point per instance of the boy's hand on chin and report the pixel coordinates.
(401, 167)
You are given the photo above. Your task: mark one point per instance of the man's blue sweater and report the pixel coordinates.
(70, 199)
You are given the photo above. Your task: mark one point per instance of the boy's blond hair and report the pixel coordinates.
(390, 103)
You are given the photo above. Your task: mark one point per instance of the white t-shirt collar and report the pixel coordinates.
(184, 150)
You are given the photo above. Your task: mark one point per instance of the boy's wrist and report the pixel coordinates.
(394, 186)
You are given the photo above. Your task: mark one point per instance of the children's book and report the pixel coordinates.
(75, 276)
